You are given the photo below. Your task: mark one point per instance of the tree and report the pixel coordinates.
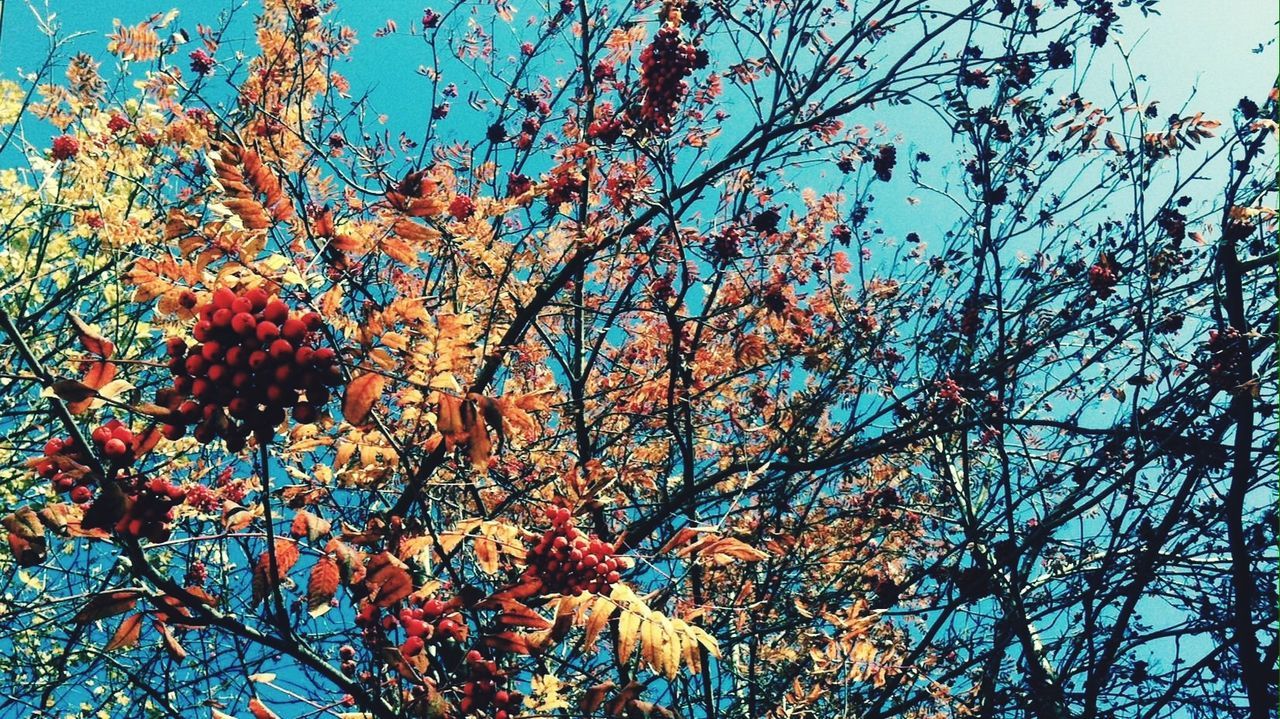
(625, 389)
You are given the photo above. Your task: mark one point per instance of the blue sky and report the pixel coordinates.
(1212, 46)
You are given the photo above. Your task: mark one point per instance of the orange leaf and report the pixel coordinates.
(388, 580)
(322, 585)
(361, 395)
(306, 524)
(91, 339)
(260, 710)
(107, 604)
(286, 555)
(126, 634)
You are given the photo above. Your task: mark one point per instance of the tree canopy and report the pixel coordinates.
(711, 359)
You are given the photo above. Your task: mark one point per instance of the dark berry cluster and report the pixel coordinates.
(431, 622)
(665, 64)
(485, 692)
(1228, 356)
(886, 158)
(1103, 279)
(570, 562)
(149, 508)
(253, 360)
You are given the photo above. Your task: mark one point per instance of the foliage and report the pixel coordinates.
(622, 390)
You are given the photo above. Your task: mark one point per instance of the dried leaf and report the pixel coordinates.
(306, 524)
(126, 634)
(107, 604)
(388, 580)
(361, 395)
(322, 585)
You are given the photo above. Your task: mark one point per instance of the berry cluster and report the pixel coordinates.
(1228, 355)
(886, 158)
(65, 466)
(664, 64)
(1103, 278)
(253, 359)
(485, 692)
(462, 207)
(431, 622)
(570, 562)
(950, 393)
(149, 509)
(606, 127)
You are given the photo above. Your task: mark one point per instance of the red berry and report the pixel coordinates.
(267, 332)
(243, 323)
(222, 298)
(276, 311)
(294, 330)
(281, 349)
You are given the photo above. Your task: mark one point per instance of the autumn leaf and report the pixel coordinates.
(322, 585)
(91, 338)
(388, 580)
(107, 604)
(126, 634)
(260, 710)
(306, 524)
(362, 393)
(26, 537)
(286, 555)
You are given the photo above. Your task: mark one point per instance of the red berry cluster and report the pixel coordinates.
(149, 509)
(65, 147)
(432, 621)
(564, 185)
(485, 692)
(570, 562)
(1103, 279)
(462, 207)
(606, 127)
(950, 393)
(65, 466)
(664, 64)
(254, 359)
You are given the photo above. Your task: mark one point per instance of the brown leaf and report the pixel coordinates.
(107, 604)
(126, 634)
(594, 697)
(509, 642)
(306, 524)
(91, 339)
(286, 555)
(70, 390)
(322, 585)
(361, 395)
(388, 580)
(171, 645)
(26, 537)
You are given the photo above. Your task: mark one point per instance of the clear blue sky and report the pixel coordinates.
(1222, 47)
